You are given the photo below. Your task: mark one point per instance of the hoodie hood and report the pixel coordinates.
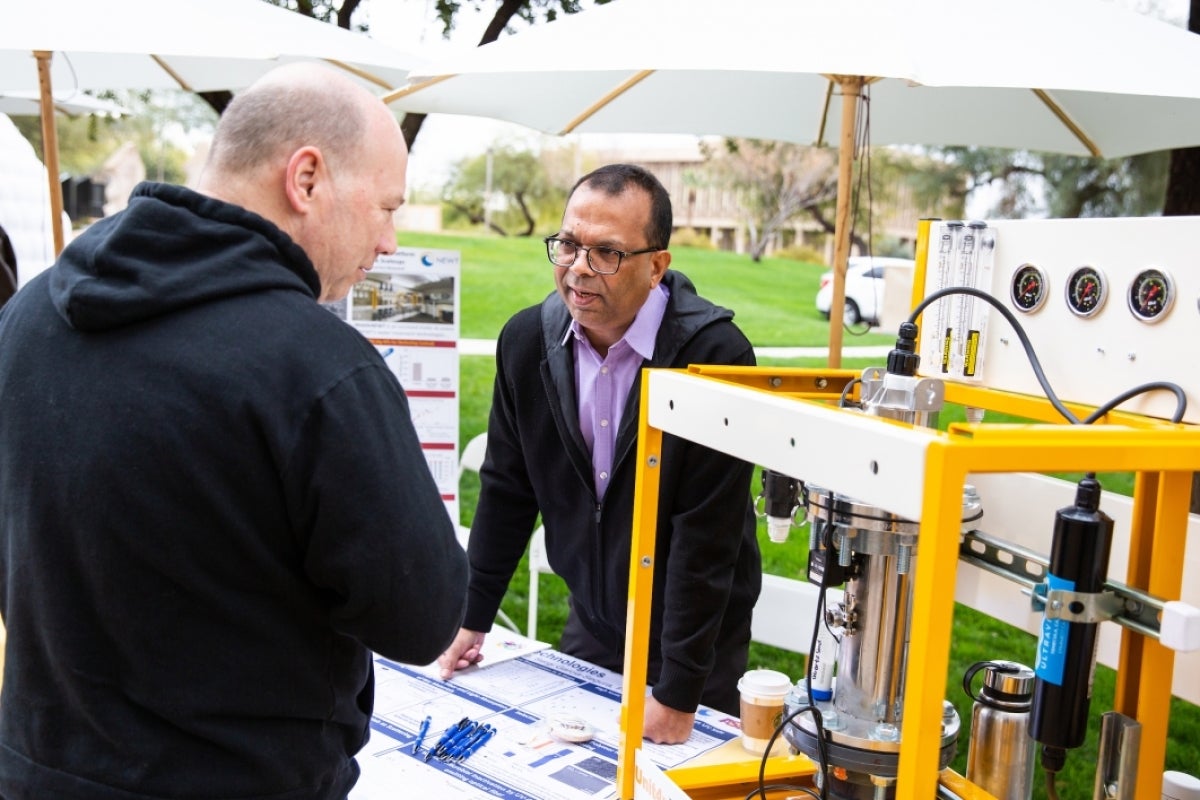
(170, 249)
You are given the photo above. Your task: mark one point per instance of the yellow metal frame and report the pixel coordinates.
(1162, 455)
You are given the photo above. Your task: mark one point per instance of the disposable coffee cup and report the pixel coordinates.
(763, 691)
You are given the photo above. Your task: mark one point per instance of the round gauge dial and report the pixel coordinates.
(1028, 288)
(1151, 294)
(1086, 291)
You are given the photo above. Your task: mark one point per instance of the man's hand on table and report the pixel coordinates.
(463, 652)
(664, 725)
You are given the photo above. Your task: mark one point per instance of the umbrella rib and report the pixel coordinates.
(405, 91)
(1066, 120)
(820, 142)
(591, 110)
(360, 73)
(174, 75)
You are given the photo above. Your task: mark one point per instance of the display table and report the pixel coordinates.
(521, 688)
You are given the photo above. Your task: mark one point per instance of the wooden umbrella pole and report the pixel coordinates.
(50, 146)
(851, 86)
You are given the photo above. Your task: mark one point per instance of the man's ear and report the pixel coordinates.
(660, 261)
(304, 169)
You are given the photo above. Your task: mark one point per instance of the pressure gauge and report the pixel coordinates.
(1086, 291)
(1151, 294)
(1028, 288)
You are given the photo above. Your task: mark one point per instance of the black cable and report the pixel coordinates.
(822, 755)
(1051, 788)
(1181, 398)
(781, 787)
(812, 646)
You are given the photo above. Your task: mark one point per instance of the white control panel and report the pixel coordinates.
(1108, 304)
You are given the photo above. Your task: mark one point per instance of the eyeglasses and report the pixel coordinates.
(601, 260)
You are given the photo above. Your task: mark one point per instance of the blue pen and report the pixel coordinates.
(421, 735)
(456, 736)
(447, 736)
(460, 745)
(488, 734)
(460, 736)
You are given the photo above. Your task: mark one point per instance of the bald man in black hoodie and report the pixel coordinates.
(213, 503)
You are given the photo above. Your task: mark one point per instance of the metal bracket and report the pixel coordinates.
(1091, 607)
(1129, 608)
(1120, 740)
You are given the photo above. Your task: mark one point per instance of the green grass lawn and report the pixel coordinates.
(774, 305)
(773, 300)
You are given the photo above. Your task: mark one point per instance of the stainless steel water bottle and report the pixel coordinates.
(1000, 755)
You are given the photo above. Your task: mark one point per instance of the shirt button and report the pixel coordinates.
(603, 476)
(604, 370)
(603, 423)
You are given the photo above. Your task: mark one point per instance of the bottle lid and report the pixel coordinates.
(1008, 682)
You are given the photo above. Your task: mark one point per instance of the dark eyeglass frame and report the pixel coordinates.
(553, 241)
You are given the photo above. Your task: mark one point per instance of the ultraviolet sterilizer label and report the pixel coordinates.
(1052, 644)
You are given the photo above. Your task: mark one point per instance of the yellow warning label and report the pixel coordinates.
(972, 354)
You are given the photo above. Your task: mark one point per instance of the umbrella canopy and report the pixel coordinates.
(64, 45)
(1074, 76)
(29, 104)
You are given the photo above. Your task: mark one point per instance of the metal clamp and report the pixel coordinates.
(1090, 607)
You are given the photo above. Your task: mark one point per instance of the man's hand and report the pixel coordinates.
(664, 725)
(462, 652)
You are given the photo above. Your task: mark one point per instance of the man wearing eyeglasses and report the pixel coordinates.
(562, 442)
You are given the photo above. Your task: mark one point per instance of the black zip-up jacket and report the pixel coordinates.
(707, 566)
(213, 506)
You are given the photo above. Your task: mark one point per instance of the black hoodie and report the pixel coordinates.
(213, 505)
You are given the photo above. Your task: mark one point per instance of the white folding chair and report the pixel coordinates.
(471, 459)
(538, 565)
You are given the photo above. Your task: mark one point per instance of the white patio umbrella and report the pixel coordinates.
(29, 104)
(1071, 76)
(65, 45)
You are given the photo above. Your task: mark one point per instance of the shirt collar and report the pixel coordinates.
(641, 334)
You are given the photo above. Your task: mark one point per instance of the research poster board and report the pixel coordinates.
(408, 307)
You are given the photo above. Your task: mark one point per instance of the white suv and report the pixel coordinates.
(865, 285)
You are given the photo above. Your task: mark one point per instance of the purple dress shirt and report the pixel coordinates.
(602, 384)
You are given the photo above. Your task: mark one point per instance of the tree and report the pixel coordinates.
(521, 193)
(775, 180)
(1047, 184)
(447, 11)
(85, 142)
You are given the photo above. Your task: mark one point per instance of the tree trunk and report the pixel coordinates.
(1183, 197)
(216, 100)
(1183, 183)
(411, 127)
(530, 223)
(826, 224)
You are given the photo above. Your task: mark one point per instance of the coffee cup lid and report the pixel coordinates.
(765, 683)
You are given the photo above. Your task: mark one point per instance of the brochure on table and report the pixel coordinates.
(520, 697)
(408, 307)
